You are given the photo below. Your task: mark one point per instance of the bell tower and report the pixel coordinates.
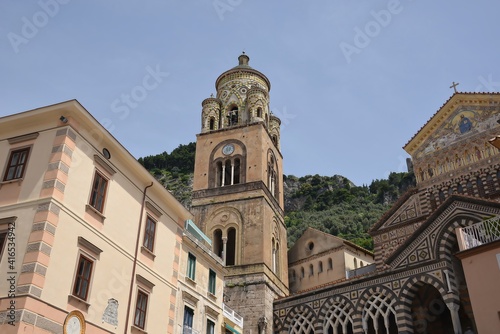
(238, 193)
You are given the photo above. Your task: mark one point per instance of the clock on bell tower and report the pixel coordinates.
(238, 191)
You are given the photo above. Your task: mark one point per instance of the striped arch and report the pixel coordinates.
(374, 302)
(408, 293)
(255, 104)
(446, 237)
(436, 238)
(301, 320)
(211, 114)
(338, 313)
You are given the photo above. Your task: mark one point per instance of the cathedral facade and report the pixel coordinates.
(418, 283)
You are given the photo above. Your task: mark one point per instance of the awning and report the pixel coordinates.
(196, 232)
(231, 329)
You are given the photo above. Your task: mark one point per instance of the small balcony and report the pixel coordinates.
(360, 271)
(232, 316)
(479, 234)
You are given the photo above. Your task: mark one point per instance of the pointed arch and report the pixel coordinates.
(435, 239)
(410, 290)
(300, 320)
(446, 237)
(378, 308)
(336, 315)
(232, 115)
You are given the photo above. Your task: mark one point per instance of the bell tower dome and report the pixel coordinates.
(238, 192)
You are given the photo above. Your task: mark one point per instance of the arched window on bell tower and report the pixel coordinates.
(224, 244)
(275, 249)
(231, 247)
(232, 116)
(274, 138)
(227, 164)
(228, 175)
(274, 254)
(212, 123)
(219, 173)
(236, 171)
(218, 243)
(228, 172)
(259, 112)
(272, 174)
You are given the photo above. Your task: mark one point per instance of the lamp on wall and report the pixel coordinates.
(63, 119)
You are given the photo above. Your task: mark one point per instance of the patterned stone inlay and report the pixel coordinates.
(44, 226)
(49, 206)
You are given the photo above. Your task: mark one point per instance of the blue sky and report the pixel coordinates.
(352, 81)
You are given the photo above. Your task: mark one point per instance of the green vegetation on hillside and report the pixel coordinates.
(331, 204)
(335, 205)
(181, 159)
(174, 171)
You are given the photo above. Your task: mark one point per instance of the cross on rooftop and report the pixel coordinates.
(454, 86)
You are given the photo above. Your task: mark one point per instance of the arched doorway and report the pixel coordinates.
(429, 312)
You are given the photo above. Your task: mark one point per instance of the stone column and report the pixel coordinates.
(224, 245)
(232, 172)
(223, 175)
(455, 318)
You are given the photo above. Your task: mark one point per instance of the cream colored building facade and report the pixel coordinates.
(92, 243)
(200, 306)
(319, 258)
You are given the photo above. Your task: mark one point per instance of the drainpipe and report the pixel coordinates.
(135, 258)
